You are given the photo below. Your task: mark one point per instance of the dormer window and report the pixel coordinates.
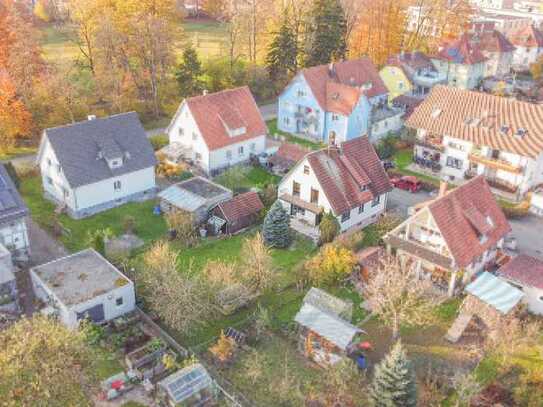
(237, 132)
(115, 163)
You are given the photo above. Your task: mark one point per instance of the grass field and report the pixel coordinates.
(246, 177)
(272, 127)
(403, 158)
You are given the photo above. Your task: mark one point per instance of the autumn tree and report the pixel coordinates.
(44, 363)
(15, 119)
(256, 264)
(326, 33)
(189, 74)
(182, 224)
(331, 264)
(328, 228)
(179, 299)
(397, 295)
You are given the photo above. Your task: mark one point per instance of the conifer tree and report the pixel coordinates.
(329, 228)
(327, 33)
(282, 56)
(394, 383)
(276, 228)
(189, 73)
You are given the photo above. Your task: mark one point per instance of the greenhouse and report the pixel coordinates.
(191, 386)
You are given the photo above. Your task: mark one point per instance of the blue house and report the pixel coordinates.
(337, 102)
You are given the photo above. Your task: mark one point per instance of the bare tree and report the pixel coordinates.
(256, 270)
(397, 295)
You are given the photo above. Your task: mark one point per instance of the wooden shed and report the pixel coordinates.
(238, 213)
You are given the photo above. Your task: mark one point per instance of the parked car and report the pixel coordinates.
(388, 164)
(407, 183)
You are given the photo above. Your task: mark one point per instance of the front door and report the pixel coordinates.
(95, 314)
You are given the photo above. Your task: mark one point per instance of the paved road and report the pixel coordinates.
(528, 231)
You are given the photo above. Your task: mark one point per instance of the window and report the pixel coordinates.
(346, 216)
(114, 163)
(198, 156)
(181, 131)
(240, 150)
(59, 168)
(306, 169)
(361, 208)
(49, 162)
(119, 301)
(194, 136)
(286, 120)
(253, 146)
(314, 196)
(300, 93)
(228, 154)
(454, 163)
(295, 188)
(117, 185)
(376, 201)
(335, 117)
(50, 180)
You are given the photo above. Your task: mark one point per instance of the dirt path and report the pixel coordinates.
(43, 247)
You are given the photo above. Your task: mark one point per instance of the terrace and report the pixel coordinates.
(495, 163)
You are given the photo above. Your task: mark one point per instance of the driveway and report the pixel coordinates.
(528, 231)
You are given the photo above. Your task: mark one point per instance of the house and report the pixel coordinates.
(337, 102)
(503, 23)
(286, 157)
(95, 165)
(490, 303)
(83, 285)
(348, 181)
(196, 196)
(461, 62)
(218, 130)
(529, 46)
(455, 235)
(536, 202)
(419, 71)
(368, 260)
(497, 50)
(526, 273)
(472, 133)
(325, 335)
(8, 284)
(396, 80)
(191, 386)
(237, 213)
(13, 215)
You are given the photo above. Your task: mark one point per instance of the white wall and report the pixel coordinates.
(369, 215)
(53, 180)
(219, 158)
(458, 153)
(15, 235)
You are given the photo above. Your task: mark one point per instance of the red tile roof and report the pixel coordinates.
(529, 37)
(350, 175)
(240, 206)
(483, 119)
(341, 99)
(414, 60)
(493, 41)
(217, 113)
(461, 51)
(355, 73)
(288, 155)
(525, 270)
(464, 215)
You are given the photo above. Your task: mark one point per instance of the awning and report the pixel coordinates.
(495, 292)
(294, 200)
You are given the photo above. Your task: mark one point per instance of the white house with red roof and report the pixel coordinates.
(526, 273)
(454, 236)
(218, 130)
(337, 102)
(348, 181)
(529, 46)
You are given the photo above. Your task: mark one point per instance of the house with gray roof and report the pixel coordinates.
(97, 164)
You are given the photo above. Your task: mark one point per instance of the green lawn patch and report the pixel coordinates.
(272, 127)
(448, 310)
(149, 227)
(403, 158)
(106, 364)
(208, 37)
(246, 178)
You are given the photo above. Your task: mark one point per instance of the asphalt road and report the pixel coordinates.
(528, 231)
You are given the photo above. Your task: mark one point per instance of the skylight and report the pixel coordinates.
(436, 113)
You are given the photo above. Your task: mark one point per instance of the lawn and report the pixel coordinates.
(403, 158)
(148, 226)
(272, 128)
(240, 177)
(17, 152)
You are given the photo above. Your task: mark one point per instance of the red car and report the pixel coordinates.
(407, 183)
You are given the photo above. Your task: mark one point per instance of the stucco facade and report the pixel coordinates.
(463, 76)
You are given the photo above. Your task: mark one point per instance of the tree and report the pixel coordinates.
(394, 383)
(189, 73)
(536, 69)
(282, 57)
(179, 299)
(326, 33)
(397, 295)
(40, 11)
(182, 223)
(256, 265)
(276, 228)
(331, 264)
(44, 363)
(328, 228)
(15, 119)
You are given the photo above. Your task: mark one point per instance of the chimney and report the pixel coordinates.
(442, 188)
(204, 92)
(331, 68)
(91, 117)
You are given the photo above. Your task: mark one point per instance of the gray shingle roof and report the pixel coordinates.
(78, 148)
(11, 204)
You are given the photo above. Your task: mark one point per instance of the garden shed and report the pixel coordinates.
(327, 302)
(238, 213)
(191, 387)
(196, 196)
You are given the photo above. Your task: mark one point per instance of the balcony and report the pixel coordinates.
(433, 143)
(495, 182)
(495, 163)
(429, 79)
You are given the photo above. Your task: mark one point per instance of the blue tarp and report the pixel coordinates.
(495, 292)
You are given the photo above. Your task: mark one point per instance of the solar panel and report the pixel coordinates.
(6, 200)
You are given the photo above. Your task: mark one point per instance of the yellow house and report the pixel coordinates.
(396, 81)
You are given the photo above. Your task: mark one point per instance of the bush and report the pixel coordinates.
(129, 224)
(182, 223)
(328, 228)
(514, 211)
(387, 146)
(330, 265)
(158, 141)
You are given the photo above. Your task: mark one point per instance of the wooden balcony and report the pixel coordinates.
(495, 163)
(431, 143)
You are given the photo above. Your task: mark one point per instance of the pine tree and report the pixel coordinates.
(282, 56)
(188, 74)
(276, 229)
(327, 33)
(394, 381)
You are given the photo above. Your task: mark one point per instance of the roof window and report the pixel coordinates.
(435, 113)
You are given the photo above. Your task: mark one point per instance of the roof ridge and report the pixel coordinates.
(90, 121)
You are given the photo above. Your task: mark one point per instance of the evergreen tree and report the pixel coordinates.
(328, 228)
(276, 229)
(189, 73)
(394, 383)
(327, 33)
(282, 56)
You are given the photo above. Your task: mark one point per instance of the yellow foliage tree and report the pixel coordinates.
(332, 263)
(223, 349)
(40, 11)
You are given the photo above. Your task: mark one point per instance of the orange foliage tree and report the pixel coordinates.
(15, 119)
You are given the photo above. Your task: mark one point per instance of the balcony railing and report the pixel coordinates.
(429, 79)
(431, 143)
(495, 163)
(495, 182)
